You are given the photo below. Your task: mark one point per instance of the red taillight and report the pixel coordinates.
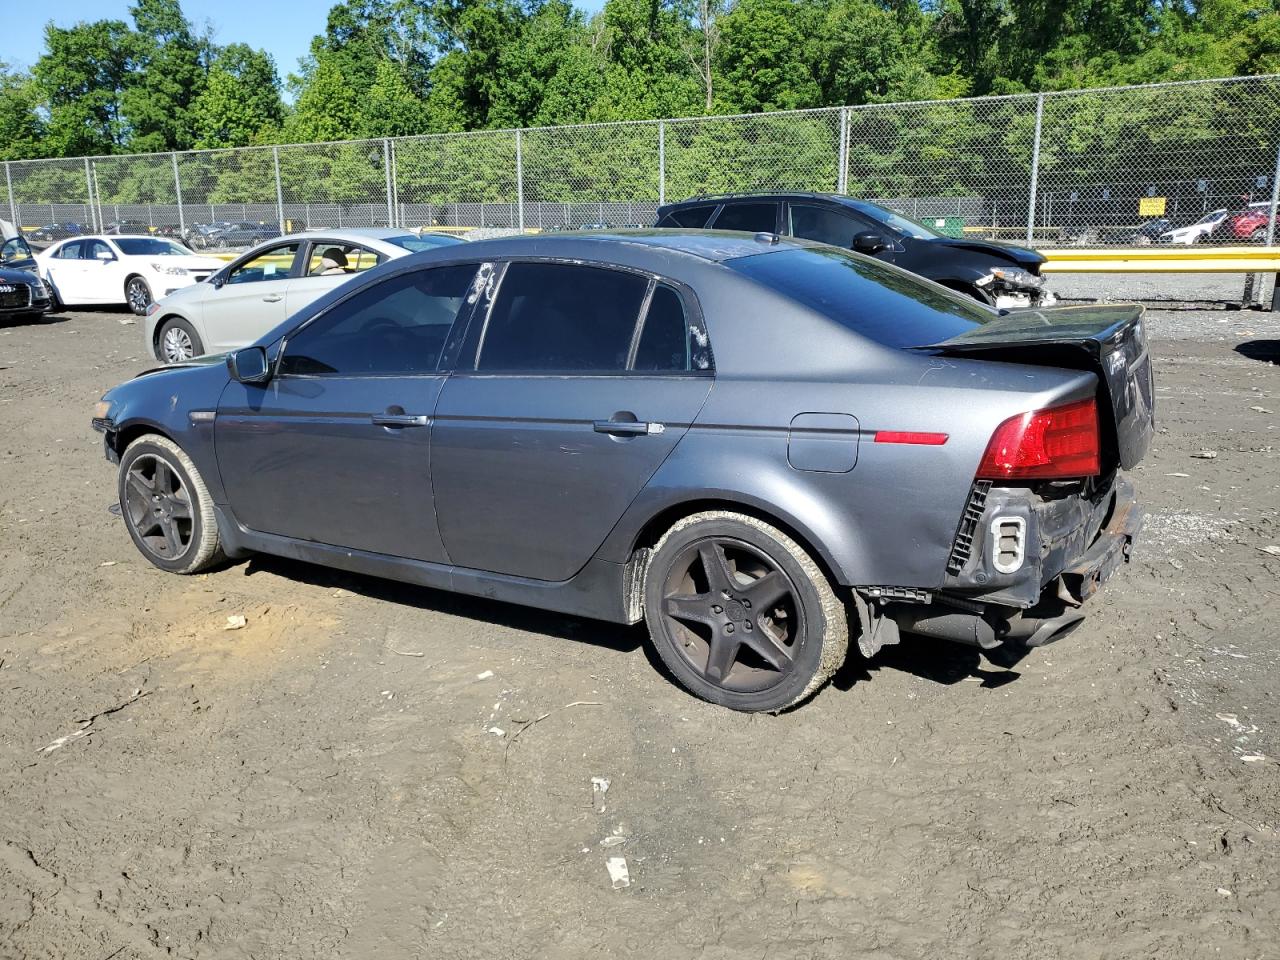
(1053, 444)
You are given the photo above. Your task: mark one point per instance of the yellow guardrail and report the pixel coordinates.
(1162, 259)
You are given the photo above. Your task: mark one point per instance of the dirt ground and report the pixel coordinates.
(367, 770)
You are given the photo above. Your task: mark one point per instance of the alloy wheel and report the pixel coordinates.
(139, 296)
(158, 507)
(733, 614)
(176, 345)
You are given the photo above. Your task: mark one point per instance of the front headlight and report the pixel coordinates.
(1019, 279)
(38, 288)
(171, 271)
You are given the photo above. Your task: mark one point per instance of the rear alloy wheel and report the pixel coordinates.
(177, 342)
(741, 614)
(137, 293)
(167, 507)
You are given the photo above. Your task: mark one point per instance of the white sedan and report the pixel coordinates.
(258, 290)
(1195, 232)
(133, 270)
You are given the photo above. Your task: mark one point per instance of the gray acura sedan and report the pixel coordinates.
(759, 446)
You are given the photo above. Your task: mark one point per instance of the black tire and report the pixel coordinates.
(173, 334)
(166, 506)
(137, 294)
(775, 659)
(1258, 236)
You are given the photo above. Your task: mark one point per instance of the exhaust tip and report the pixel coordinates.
(1054, 629)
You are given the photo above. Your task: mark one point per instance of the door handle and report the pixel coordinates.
(271, 298)
(621, 428)
(400, 420)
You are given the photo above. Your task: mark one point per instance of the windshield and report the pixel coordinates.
(143, 247)
(884, 304)
(1211, 216)
(896, 221)
(428, 241)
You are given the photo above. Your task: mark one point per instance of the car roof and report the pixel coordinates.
(352, 233)
(712, 246)
(764, 196)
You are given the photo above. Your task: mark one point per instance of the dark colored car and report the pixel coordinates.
(56, 231)
(244, 234)
(993, 273)
(23, 295)
(729, 437)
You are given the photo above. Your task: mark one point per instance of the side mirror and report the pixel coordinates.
(218, 279)
(249, 365)
(105, 256)
(869, 243)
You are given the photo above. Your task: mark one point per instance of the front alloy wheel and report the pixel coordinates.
(138, 295)
(167, 507)
(741, 614)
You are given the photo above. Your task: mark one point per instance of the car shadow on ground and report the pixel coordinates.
(939, 661)
(48, 319)
(611, 636)
(1268, 351)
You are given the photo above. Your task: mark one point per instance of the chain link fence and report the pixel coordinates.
(1114, 166)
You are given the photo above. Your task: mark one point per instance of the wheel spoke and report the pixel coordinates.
(172, 538)
(721, 654)
(179, 509)
(164, 478)
(695, 608)
(138, 484)
(716, 567)
(772, 652)
(767, 591)
(149, 525)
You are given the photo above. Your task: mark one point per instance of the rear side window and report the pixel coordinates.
(69, 251)
(398, 326)
(823, 224)
(562, 317)
(752, 217)
(880, 302)
(692, 217)
(669, 342)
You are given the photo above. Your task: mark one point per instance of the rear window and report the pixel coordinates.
(691, 217)
(879, 302)
(428, 241)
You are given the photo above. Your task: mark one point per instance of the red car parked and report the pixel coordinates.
(1248, 225)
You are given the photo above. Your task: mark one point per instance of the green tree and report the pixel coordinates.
(766, 54)
(240, 103)
(21, 128)
(81, 77)
(166, 76)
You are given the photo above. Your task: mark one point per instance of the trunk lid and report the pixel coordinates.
(1110, 340)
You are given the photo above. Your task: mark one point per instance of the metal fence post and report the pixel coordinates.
(275, 159)
(842, 176)
(662, 162)
(13, 207)
(1035, 167)
(1275, 196)
(177, 189)
(520, 180)
(88, 185)
(386, 163)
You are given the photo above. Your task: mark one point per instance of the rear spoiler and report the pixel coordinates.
(1108, 339)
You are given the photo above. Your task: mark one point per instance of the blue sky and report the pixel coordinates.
(283, 29)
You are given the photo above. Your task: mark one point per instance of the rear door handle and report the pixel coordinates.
(271, 298)
(622, 428)
(400, 420)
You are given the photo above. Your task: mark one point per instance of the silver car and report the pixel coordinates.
(259, 289)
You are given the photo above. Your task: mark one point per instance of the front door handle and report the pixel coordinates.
(621, 428)
(271, 298)
(400, 420)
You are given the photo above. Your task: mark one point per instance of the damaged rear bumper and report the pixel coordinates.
(1072, 546)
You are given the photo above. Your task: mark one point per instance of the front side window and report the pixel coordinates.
(398, 326)
(751, 217)
(562, 317)
(339, 259)
(824, 224)
(669, 341)
(691, 217)
(275, 263)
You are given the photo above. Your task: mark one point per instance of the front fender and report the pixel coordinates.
(162, 402)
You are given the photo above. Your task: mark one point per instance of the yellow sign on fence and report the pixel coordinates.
(1151, 207)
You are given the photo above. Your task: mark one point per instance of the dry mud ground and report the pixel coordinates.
(354, 773)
